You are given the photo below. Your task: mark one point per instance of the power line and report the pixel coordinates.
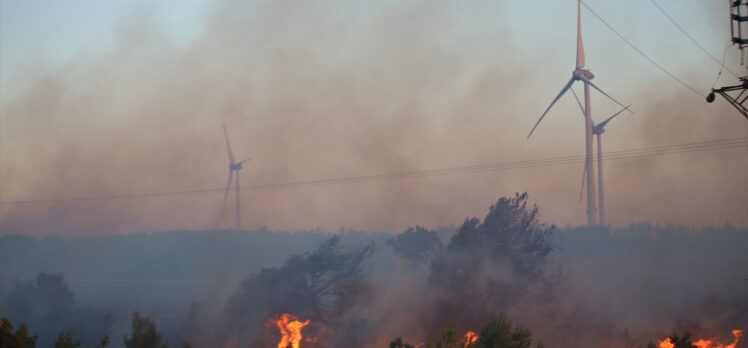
(662, 10)
(624, 154)
(711, 145)
(658, 66)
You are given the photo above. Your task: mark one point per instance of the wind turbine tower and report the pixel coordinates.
(584, 75)
(234, 167)
(598, 131)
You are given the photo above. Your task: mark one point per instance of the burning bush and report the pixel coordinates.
(319, 285)
(685, 341)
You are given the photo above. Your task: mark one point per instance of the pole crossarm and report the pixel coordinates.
(736, 95)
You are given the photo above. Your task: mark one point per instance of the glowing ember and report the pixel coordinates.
(290, 329)
(706, 343)
(470, 338)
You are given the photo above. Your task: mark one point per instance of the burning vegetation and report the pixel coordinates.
(290, 329)
(496, 332)
(685, 341)
(469, 338)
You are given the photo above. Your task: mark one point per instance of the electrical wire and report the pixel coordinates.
(711, 145)
(719, 73)
(662, 10)
(641, 53)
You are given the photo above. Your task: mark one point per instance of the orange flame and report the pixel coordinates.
(713, 343)
(706, 343)
(470, 338)
(666, 343)
(290, 329)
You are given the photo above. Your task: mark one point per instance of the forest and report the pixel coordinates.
(508, 278)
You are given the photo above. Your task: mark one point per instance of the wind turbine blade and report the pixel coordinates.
(584, 175)
(580, 43)
(242, 162)
(603, 123)
(579, 102)
(228, 146)
(566, 88)
(605, 94)
(226, 193)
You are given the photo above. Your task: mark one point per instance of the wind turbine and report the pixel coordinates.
(598, 130)
(584, 75)
(233, 167)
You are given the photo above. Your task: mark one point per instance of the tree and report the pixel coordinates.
(489, 265)
(66, 340)
(319, 285)
(498, 333)
(46, 304)
(46, 298)
(18, 339)
(144, 333)
(398, 343)
(416, 244)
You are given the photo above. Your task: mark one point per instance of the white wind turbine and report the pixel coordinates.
(598, 130)
(584, 75)
(233, 167)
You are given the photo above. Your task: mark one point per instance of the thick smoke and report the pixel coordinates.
(337, 89)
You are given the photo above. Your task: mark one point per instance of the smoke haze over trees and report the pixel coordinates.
(569, 286)
(321, 92)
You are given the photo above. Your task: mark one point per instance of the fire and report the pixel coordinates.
(706, 343)
(666, 343)
(713, 343)
(470, 338)
(290, 329)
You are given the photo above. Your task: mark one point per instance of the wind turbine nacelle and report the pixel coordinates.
(235, 166)
(579, 73)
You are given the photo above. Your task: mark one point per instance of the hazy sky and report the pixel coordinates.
(118, 97)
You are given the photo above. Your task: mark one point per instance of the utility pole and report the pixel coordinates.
(736, 94)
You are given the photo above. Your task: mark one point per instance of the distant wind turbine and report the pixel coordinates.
(598, 130)
(233, 167)
(584, 75)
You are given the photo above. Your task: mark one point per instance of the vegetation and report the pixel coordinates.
(18, 339)
(678, 341)
(66, 340)
(495, 333)
(144, 333)
(417, 244)
(491, 264)
(47, 304)
(320, 285)
(502, 262)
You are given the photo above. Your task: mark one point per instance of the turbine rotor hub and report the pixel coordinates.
(235, 166)
(579, 73)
